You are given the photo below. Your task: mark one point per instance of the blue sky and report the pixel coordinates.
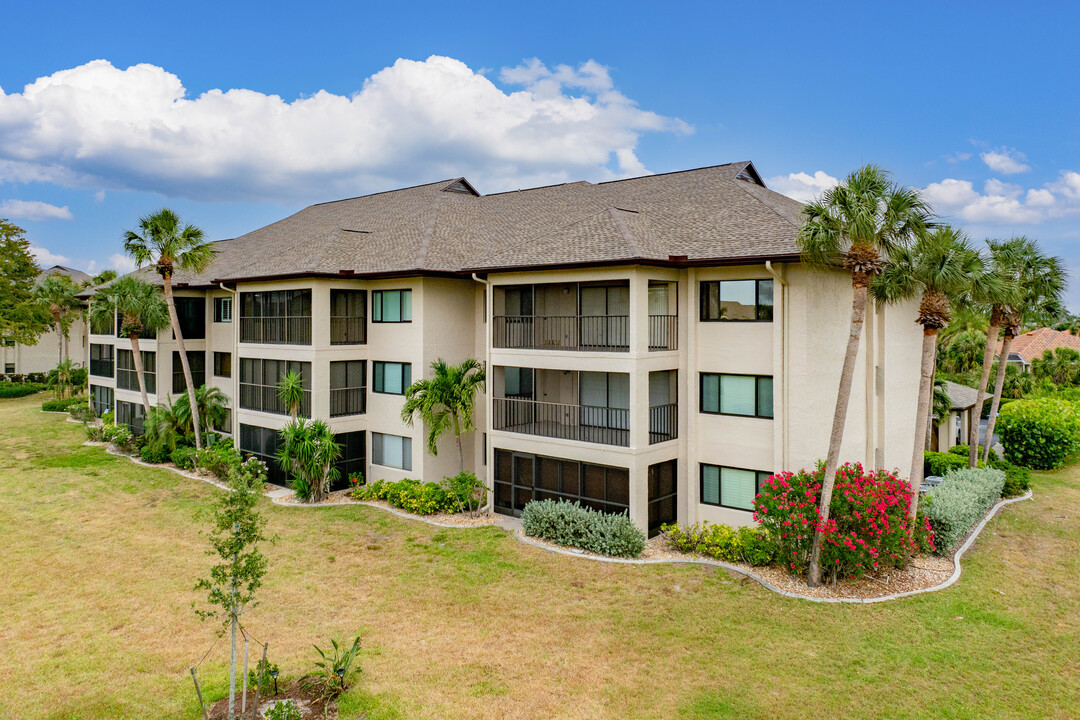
(974, 102)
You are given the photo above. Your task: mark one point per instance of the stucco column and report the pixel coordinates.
(320, 340)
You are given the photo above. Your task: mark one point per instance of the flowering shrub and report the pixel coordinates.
(868, 522)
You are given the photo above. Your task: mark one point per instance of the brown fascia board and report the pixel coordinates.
(653, 262)
(336, 276)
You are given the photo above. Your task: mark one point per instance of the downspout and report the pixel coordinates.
(784, 330)
(235, 370)
(488, 372)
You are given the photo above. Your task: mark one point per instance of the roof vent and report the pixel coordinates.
(346, 272)
(461, 185)
(677, 258)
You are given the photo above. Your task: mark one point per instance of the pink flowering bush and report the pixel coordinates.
(867, 530)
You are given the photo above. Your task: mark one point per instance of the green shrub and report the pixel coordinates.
(466, 491)
(183, 457)
(283, 710)
(266, 667)
(219, 459)
(986, 404)
(935, 463)
(17, 390)
(750, 545)
(459, 493)
(334, 670)
(108, 418)
(120, 436)
(1040, 433)
(153, 454)
(962, 450)
(81, 411)
(62, 405)
(1017, 477)
(960, 501)
(567, 523)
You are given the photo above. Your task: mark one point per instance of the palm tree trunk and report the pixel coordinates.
(183, 362)
(999, 383)
(843, 397)
(59, 340)
(136, 356)
(457, 438)
(988, 360)
(922, 416)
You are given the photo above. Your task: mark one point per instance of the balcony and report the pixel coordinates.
(583, 423)
(584, 333)
(348, 401)
(101, 368)
(285, 330)
(663, 423)
(663, 332)
(264, 398)
(348, 330)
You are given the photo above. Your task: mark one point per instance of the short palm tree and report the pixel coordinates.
(445, 401)
(62, 378)
(57, 294)
(162, 241)
(308, 451)
(212, 404)
(940, 267)
(857, 225)
(290, 391)
(140, 307)
(1032, 286)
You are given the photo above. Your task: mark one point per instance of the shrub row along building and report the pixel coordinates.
(653, 345)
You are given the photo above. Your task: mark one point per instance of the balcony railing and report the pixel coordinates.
(348, 401)
(264, 398)
(129, 380)
(584, 423)
(663, 332)
(101, 368)
(595, 333)
(276, 330)
(348, 330)
(663, 423)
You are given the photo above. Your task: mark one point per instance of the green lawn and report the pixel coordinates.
(99, 557)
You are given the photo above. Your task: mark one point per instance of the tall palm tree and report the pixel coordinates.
(57, 293)
(1038, 282)
(857, 225)
(445, 401)
(168, 245)
(140, 307)
(940, 266)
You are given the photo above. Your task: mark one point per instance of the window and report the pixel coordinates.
(127, 378)
(101, 399)
(223, 310)
(391, 450)
(197, 362)
(263, 443)
(391, 306)
(102, 328)
(392, 378)
(518, 382)
(225, 426)
(730, 487)
(522, 477)
(132, 415)
(749, 395)
(353, 458)
(223, 364)
(281, 317)
(191, 312)
(9, 368)
(258, 384)
(348, 317)
(348, 388)
(101, 360)
(737, 300)
(144, 334)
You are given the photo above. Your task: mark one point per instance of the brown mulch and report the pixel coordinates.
(310, 706)
(337, 496)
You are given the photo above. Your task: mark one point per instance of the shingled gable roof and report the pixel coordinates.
(717, 214)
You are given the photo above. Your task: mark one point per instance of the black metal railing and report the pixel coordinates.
(101, 368)
(264, 398)
(293, 330)
(348, 401)
(663, 332)
(584, 423)
(348, 330)
(597, 333)
(663, 423)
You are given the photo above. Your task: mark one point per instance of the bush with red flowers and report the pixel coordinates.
(867, 530)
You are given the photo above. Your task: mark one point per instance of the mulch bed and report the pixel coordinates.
(310, 706)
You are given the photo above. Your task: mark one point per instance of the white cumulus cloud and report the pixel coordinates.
(1005, 203)
(121, 263)
(802, 186)
(1005, 161)
(102, 127)
(34, 210)
(47, 259)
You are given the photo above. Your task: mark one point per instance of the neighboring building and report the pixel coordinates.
(1032, 344)
(653, 345)
(954, 428)
(16, 358)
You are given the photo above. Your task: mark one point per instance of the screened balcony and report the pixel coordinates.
(563, 316)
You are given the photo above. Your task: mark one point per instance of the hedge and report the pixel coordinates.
(750, 545)
(459, 493)
(959, 502)
(570, 524)
(1039, 433)
(15, 390)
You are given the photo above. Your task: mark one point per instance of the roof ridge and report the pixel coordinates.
(382, 192)
(429, 232)
(674, 172)
(776, 212)
(631, 239)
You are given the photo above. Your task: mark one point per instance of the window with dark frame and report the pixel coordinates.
(391, 306)
(223, 310)
(101, 360)
(101, 399)
(127, 378)
(522, 477)
(223, 364)
(391, 451)
(736, 301)
(263, 443)
(196, 362)
(348, 387)
(259, 380)
(392, 378)
(191, 312)
(730, 487)
(281, 317)
(348, 317)
(743, 395)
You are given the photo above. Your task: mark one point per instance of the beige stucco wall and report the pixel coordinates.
(43, 356)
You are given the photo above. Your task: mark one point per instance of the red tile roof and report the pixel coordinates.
(1031, 344)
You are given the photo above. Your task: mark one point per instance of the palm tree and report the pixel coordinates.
(62, 378)
(941, 266)
(57, 293)
(445, 402)
(168, 246)
(308, 451)
(140, 307)
(212, 405)
(290, 391)
(1038, 282)
(857, 225)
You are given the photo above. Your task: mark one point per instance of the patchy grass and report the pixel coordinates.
(99, 557)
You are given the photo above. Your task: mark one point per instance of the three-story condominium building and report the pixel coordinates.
(653, 346)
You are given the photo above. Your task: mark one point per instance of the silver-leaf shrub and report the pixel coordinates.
(960, 501)
(567, 523)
